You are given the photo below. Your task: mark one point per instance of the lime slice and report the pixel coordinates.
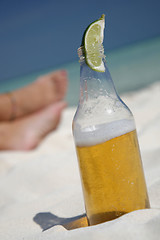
(92, 42)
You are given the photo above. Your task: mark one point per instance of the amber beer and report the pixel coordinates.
(112, 178)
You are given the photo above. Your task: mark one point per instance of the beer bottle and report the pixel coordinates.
(107, 148)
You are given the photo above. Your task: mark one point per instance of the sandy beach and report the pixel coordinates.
(40, 191)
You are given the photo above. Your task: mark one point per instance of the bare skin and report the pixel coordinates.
(44, 91)
(26, 133)
(37, 112)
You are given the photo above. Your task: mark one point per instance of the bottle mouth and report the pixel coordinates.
(81, 52)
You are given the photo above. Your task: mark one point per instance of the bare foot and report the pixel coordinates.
(57, 85)
(27, 132)
(45, 90)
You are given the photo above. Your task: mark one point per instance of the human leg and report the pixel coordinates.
(27, 132)
(45, 90)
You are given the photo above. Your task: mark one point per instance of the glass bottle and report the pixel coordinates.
(107, 148)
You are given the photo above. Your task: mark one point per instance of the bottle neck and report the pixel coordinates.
(94, 84)
(99, 103)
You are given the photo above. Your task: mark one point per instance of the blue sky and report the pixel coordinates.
(35, 35)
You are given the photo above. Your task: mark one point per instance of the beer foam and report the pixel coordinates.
(96, 134)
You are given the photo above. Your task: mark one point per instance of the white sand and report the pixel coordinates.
(47, 181)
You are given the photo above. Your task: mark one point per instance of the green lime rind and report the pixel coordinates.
(83, 38)
(92, 41)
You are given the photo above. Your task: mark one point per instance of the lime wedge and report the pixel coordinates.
(92, 42)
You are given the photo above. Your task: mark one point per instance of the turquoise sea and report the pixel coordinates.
(131, 67)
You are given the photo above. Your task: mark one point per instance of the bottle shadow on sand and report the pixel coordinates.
(47, 220)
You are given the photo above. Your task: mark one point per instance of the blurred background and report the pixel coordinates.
(37, 37)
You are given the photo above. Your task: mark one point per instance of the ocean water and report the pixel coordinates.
(131, 67)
